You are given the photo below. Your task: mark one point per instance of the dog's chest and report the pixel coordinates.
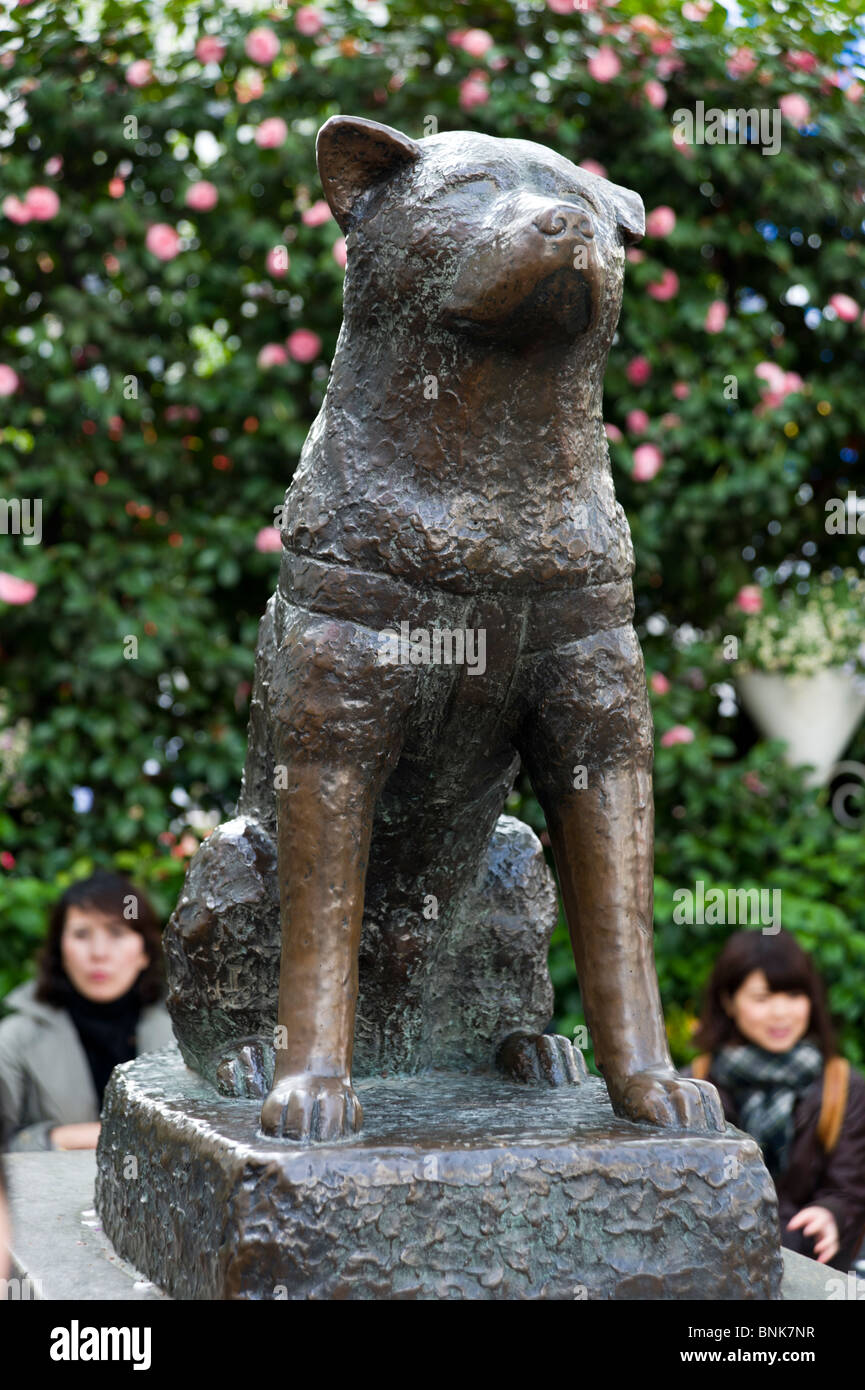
(473, 525)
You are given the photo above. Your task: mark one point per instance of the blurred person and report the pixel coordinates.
(96, 1002)
(5, 1228)
(770, 1049)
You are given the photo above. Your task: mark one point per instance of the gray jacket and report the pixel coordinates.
(45, 1077)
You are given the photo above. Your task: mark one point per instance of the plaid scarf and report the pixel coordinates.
(765, 1087)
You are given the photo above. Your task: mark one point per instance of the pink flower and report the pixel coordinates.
(696, 10)
(308, 21)
(54, 166)
(250, 86)
(604, 65)
(680, 733)
(268, 539)
(681, 390)
(42, 203)
(9, 380)
(846, 308)
(303, 345)
(636, 422)
(660, 221)
(272, 133)
(15, 210)
(638, 371)
(315, 215)
(162, 241)
(680, 143)
(15, 590)
(139, 73)
(778, 385)
(648, 461)
(659, 683)
(750, 598)
(741, 63)
(277, 261)
(476, 42)
(569, 6)
(209, 50)
(186, 846)
(613, 433)
(773, 375)
(665, 288)
(753, 783)
(795, 108)
(716, 316)
(592, 166)
(854, 91)
(261, 45)
(339, 252)
(634, 255)
(663, 44)
(7, 860)
(272, 355)
(202, 196)
(801, 60)
(116, 188)
(792, 383)
(473, 92)
(655, 93)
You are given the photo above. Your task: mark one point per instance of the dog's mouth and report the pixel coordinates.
(563, 302)
(559, 308)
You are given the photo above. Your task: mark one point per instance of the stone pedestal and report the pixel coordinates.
(459, 1187)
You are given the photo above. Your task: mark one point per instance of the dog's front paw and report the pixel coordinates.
(246, 1070)
(541, 1057)
(317, 1108)
(659, 1096)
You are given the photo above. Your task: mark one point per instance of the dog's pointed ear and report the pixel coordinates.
(352, 153)
(630, 213)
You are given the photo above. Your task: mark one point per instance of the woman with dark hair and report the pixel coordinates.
(96, 1002)
(770, 1049)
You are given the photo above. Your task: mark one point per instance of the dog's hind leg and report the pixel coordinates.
(433, 826)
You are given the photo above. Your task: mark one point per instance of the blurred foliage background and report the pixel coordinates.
(137, 403)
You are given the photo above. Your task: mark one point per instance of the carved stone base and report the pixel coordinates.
(459, 1187)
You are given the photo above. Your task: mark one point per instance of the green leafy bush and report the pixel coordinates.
(160, 364)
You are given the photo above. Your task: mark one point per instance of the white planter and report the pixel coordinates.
(815, 715)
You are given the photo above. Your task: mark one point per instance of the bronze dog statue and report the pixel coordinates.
(457, 482)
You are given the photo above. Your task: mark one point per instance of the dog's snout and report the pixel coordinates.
(561, 218)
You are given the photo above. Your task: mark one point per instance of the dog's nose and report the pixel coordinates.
(564, 218)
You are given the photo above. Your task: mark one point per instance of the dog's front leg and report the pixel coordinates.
(337, 714)
(588, 749)
(325, 821)
(602, 842)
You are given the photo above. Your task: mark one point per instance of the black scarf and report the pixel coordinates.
(765, 1088)
(107, 1030)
